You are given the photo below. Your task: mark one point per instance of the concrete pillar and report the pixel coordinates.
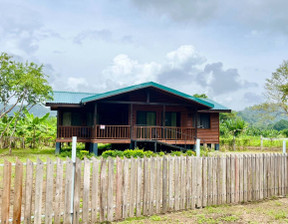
(94, 148)
(58, 148)
(131, 145)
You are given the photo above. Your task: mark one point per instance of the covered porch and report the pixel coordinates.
(126, 133)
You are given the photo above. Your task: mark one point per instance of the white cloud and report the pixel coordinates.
(184, 55)
(77, 83)
(126, 70)
(184, 69)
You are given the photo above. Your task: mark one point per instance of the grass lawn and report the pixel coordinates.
(24, 154)
(272, 211)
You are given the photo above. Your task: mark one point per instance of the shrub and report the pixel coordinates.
(176, 153)
(128, 153)
(112, 153)
(138, 153)
(190, 153)
(161, 154)
(150, 154)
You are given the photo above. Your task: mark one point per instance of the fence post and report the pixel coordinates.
(198, 147)
(261, 146)
(73, 158)
(284, 146)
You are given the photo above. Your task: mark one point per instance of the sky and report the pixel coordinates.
(225, 49)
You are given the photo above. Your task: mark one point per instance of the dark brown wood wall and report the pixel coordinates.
(210, 135)
(186, 115)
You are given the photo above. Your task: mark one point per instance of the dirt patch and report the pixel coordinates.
(268, 211)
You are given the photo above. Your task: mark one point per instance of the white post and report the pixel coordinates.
(284, 146)
(73, 158)
(198, 147)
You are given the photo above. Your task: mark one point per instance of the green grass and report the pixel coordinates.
(252, 141)
(24, 154)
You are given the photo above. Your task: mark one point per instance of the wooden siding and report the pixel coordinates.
(210, 135)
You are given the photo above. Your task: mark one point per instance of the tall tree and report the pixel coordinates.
(22, 85)
(277, 87)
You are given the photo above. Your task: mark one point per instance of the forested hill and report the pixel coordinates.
(261, 118)
(37, 110)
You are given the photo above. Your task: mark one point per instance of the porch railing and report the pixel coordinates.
(112, 132)
(124, 132)
(164, 133)
(79, 131)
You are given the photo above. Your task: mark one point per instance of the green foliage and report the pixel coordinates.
(140, 153)
(80, 153)
(280, 125)
(161, 154)
(277, 86)
(244, 141)
(128, 153)
(190, 153)
(35, 131)
(112, 153)
(235, 126)
(21, 83)
(203, 95)
(284, 132)
(176, 153)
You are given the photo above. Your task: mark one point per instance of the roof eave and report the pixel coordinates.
(216, 111)
(87, 99)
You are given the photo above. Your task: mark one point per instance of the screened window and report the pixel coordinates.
(204, 121)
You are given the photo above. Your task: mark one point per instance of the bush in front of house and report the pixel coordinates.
(140, 153)
(129, 153)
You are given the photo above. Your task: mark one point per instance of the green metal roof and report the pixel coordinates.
(217, 106)
(141, 86)
(63, 97)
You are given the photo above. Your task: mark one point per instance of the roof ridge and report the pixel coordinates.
(144, 85)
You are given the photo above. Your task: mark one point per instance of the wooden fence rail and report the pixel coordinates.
(114, 189)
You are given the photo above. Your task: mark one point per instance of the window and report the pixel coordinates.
(72, 119)
(146, 118)
(172, 119)
(66, 119)
(204, 121)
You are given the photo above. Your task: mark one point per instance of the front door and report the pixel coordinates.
(172, 121)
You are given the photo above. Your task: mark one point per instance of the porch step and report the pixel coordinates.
(171, 145)
(164, 143)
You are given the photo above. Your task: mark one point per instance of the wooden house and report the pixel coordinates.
(148, 112)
